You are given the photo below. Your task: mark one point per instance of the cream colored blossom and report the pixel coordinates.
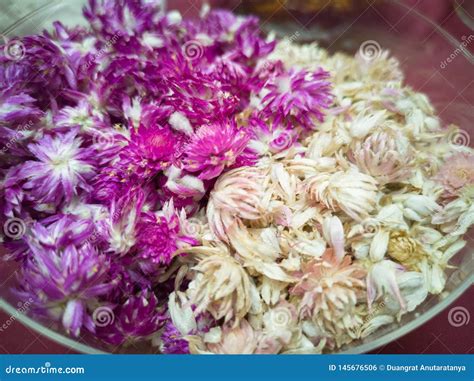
(329, 291)
(230, 339)
(238, 193)
(351, 191)
(383, 156)
(223, 288)
(239, 339)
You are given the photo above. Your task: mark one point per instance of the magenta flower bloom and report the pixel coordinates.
(61, 170)
(60, 231)
(154, 144)
(62, 282)
(214, 148)
(149, 151)
(160, 235)
(157, 238)
(44, 70)
(172, 341)
(137, 318)
(300, 95)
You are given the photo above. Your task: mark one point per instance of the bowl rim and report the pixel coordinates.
(77, 346)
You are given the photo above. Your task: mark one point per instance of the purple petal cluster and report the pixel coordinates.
(138, 317)
(112, 136)
(299, 96)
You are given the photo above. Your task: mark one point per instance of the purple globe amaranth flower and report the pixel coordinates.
(83, 116)
(62, 168)
(127, 19)
(200, 97)
(250, 46)
(19, 119)
(156, 239)
(154, 144)
(61, 230)
(43, 72)
(172, 341)
(160, 235)
(137, 318)
(216, 147)
(150, 150)
(300, 95)
(79, 45)
(62, 282)
(17, 109)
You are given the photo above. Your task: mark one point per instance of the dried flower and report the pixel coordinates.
(240, 339)
(62, 168)
(223, 288)
(138, 317)
(214, 148)
(63, 281)
(301, 95)
(456, 174)
(405, 249)
(329, 289)
(383, 157)
(353, 192)
(168, 171)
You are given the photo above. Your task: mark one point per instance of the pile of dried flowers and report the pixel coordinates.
(203, 188)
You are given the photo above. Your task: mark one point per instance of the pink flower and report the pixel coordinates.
(214, 148)
(159, 235)
(329, 288)
(456, 173)
(301, 95)
(154, 144)
(240, 339)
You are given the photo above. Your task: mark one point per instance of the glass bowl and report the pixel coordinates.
(433, 61)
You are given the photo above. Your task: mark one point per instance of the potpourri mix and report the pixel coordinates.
(199, 187)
